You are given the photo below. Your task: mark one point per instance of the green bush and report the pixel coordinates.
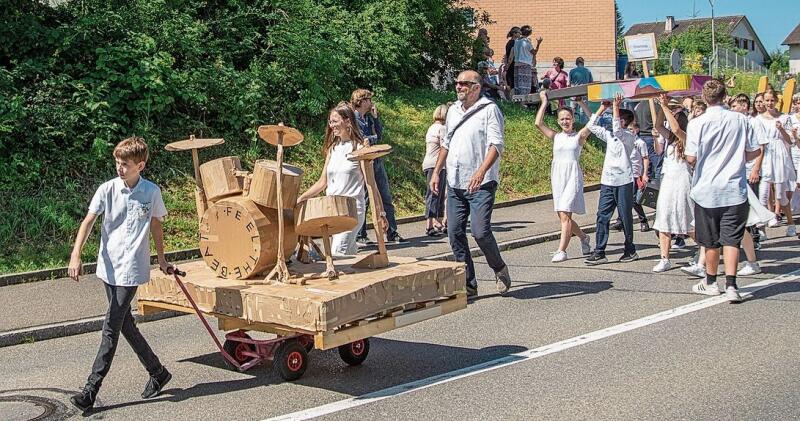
(78, 77)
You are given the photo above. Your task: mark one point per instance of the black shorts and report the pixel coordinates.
(716, 227)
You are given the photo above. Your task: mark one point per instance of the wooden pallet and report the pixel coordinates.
(361, 329)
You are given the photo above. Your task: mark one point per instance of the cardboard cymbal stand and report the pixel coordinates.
(378, 259)
(193, 144)
(280, 136)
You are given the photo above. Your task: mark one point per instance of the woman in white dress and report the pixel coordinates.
(795, 118)
(566, 176)
(340, 176)
(674, 209)
(777, 169)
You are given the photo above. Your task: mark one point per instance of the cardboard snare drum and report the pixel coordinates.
(219, 178)
(264, 187)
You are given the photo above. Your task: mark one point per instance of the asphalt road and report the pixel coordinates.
(712, 361)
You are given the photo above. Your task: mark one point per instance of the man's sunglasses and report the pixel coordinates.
(465, 83)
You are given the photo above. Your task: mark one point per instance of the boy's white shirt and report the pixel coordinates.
(124, 255)
(718, 140)
(617, 168)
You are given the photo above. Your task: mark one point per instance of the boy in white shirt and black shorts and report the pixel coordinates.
(719, 143)
(132, 210)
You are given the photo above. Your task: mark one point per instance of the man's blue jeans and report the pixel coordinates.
(477, 207)
(621, 198)
(382, 180)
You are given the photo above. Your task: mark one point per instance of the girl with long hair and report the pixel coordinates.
(340, 176)
(674, 209)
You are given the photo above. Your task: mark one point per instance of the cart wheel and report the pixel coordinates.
(291, 360)
(356, 352)
(236, 349)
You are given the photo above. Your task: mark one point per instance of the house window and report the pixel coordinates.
(752, 45)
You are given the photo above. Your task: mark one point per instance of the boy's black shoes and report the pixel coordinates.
(596, 259)
(629, 257)
(156, 383)
(84, 400)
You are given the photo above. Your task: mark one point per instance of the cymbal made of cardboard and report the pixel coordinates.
(270, 134)
(370, 152)
(189, 144)
(337, 213)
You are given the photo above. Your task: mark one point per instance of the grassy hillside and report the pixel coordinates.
(525, 170)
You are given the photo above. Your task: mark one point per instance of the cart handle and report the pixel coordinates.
(176, 273)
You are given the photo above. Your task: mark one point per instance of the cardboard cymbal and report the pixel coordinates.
(269, 134)
(370, 152)
(192, 143)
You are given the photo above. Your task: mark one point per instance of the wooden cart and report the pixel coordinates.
(289, 350)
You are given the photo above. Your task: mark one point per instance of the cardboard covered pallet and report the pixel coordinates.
(319, 306)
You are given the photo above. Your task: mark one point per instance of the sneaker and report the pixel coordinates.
(663, 266)
(362, 241)
(695, 270)
(504, 279)
(762, 234)
(395, 238)
(680, 244)
(732, 294)
(773, 223)
(791, 231)
(705, 289)
(559, 256)
(156, 383)
(472, 290)
(586, 246)
(756, 245)
(617, 225)
(749, 269)
(596, 259)
(644, 226)
(433, 232)
(629, 257)
(84, 400)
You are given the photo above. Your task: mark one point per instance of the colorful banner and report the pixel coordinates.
(648, 87)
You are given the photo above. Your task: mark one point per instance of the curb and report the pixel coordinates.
(187, 254)
(94, 324)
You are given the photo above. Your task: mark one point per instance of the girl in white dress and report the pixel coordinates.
(674, 209)
(566, 176)
(795, 118)
(777, 170)
(340, 176)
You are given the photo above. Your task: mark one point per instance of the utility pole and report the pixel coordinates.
(713, 63)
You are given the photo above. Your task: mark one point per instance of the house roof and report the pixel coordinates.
(793, 37)
(727, 23)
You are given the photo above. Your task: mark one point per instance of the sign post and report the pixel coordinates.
(642, 47)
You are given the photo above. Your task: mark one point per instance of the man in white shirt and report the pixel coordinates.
(616, 182)
(719, 143)
(471, 150)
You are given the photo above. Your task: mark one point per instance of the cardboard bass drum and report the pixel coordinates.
(239, 239)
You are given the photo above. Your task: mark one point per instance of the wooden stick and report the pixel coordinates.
(199, 193)
(330, 269)
(650, 101)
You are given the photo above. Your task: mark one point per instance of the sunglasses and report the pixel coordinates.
(461, 83)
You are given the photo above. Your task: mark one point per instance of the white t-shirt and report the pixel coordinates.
(433, 142)
(637, 157)
(344, 176)
(124, 257)
(719, 139)
(470, 143)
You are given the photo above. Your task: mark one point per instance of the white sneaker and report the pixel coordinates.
(773, 223)
(559, 256)
(586, 246)
(749, 269)
(662, 266)
(762, 234)
(732, 294)
(705, 289)
(791, 231)
(695, 270)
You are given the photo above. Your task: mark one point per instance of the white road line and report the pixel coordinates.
(529, 354)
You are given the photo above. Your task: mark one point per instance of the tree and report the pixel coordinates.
(620, 30)
(778, 61)
(694, 43)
